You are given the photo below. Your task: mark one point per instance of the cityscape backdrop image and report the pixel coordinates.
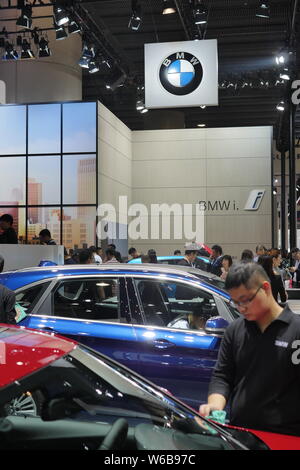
(48, 171)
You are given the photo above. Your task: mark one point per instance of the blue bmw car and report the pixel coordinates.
(164, 322)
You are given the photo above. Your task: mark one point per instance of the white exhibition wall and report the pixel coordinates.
(219, 167)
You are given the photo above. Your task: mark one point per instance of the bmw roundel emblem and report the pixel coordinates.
(181, 73)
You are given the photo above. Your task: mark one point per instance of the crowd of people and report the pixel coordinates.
(254, 372)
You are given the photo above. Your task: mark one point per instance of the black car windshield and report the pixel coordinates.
(83, 387)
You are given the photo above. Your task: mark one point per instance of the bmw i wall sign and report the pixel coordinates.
(181, 74)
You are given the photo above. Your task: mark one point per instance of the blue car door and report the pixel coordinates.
(172, 352)
(91, 310)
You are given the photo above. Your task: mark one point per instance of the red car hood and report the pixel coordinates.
(273, 440)
(23, 351)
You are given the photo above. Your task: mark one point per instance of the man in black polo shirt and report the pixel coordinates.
(257, 368)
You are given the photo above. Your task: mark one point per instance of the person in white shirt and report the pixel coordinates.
(96, 258)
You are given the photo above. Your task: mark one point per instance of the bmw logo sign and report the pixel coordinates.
(181, 73)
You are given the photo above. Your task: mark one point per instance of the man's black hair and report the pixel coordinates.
(260, 247)
(45, 233)
(84, 256)
(7, 218)
(110, 252)
(248, 274)
(112, 246)
(131, 251)
(217, 248)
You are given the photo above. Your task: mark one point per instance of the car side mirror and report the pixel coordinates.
(216, 325)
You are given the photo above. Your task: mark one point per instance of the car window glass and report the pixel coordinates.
(176, 305)
(90, 299)
(28, 298)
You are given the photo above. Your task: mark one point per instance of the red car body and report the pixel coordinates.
(24, 351)
(272, 440)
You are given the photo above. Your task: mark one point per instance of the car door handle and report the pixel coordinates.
(163, 344)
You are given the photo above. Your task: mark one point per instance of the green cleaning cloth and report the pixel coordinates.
(219, 416)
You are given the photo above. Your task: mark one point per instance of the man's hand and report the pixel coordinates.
(205, 410)
(215, 402)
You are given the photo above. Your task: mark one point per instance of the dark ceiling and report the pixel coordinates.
(247, 46)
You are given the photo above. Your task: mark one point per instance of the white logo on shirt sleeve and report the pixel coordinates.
(296, 354)
(281, 344)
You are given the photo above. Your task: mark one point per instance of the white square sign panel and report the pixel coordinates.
(181, 74)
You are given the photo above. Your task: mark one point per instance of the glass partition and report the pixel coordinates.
(48, 163)
(79, 127)
(12, 130)
(44, 128)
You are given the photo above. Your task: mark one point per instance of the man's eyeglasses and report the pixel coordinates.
(244, 303)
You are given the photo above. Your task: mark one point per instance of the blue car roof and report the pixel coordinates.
(17, 279)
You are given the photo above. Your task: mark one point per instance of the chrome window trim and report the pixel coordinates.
(177, 330)
(91, 276)
(193, 282)
(217, 298)
(46, 317)
(43, 297)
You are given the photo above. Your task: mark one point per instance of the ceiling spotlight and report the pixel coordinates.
(280, 59)
(117, 80)
(168, 7)
(73, 27)
(285, 75)
(25, 19)
(88, 52)
(26, 52)
(200, 13)
(60, 15)
(10, 52)
(136, 18)
(61, 33)
(263, 11)
(93, 66)
(280, 106)
(203, 106)
(84, 62)
(44, 50)
(106, 63)
(140, 105)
